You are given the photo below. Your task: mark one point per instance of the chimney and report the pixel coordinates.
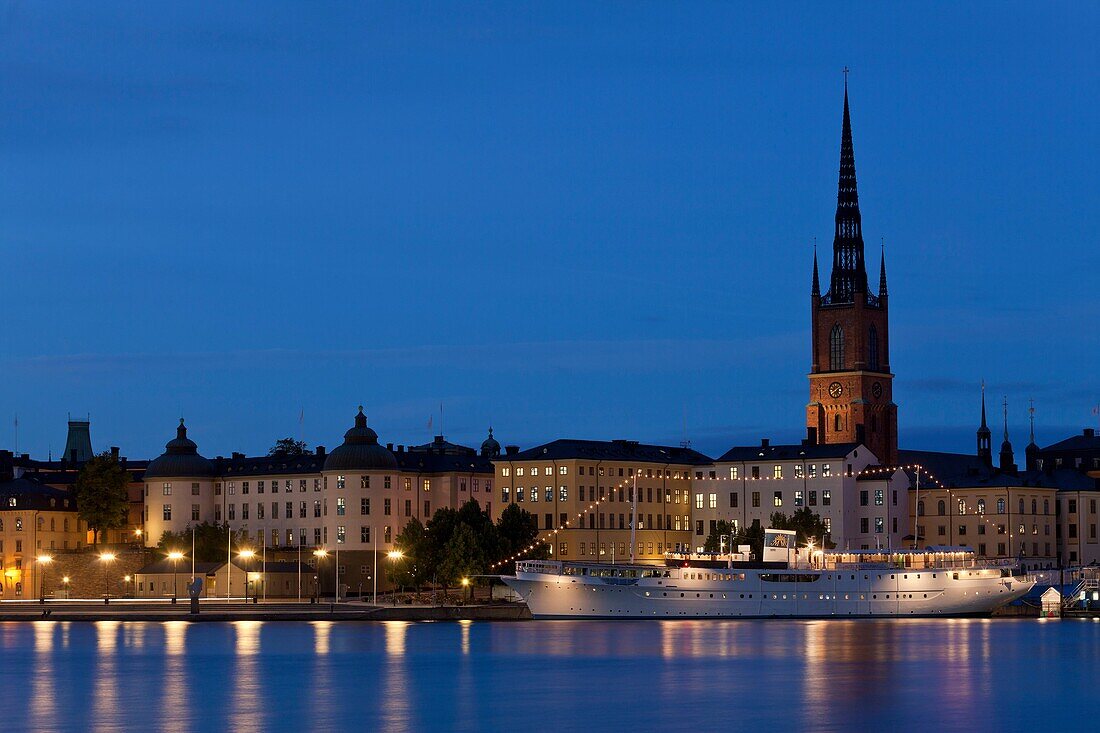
(237, 456)
(114, 452)
(320, 451)
(401, 448)
(389, 447)
(765, 442)
(1090, 433)
(511, 450)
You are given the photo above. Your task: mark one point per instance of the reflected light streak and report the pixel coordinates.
(247, 701)
(43, 713)
(105, 692)
(396, 713)
(175, 706)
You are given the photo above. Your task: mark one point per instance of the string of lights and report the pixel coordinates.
(928, 480)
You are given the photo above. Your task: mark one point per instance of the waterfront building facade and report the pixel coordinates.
(579, 492)
(354, 500)
(35, 520)
(860, 509)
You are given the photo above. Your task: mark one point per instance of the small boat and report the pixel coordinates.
(787, 582)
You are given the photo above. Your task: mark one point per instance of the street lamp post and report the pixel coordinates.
(465, 585)
(395, 555)
(43, 561)
(175, 556)
(106, 558)
(247, 555)
(320, 553)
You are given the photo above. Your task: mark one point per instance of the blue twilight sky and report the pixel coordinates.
(588, 220)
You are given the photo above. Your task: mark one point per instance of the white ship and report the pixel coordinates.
(787, 583)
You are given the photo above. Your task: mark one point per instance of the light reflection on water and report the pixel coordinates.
(683, 675)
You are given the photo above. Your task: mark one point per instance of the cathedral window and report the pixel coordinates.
(836, 423)
(836, 348)
(872, 349)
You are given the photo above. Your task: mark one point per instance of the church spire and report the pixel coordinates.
(815, 288)
(1007, 464)
(985, 437)
(849, 272)
(1031, 452)
(882, 293)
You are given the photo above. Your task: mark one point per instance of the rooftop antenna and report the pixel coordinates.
(1031, 417)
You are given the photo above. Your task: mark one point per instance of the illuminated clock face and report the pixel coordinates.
(876, 390)
(836, 390)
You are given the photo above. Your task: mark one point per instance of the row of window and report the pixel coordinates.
(626, 472)
(807, 470)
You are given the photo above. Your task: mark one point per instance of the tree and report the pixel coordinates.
(210, 541)
(100, 494)
(806, 525)
(411, 569)
(462, 557)
(289, 446)
(517, 530)
(714, 540)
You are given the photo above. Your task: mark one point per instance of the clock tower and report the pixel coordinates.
(851, 394)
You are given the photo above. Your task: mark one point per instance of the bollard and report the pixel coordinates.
(194, 605)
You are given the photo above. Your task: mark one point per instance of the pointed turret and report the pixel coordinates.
(1031, 453)
(882, 292)
(1007, 464)
(815, 288)
(985, 437)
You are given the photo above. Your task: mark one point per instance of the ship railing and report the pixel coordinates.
(937, 564)
(542, 567)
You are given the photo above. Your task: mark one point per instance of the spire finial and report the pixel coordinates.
(1004, 405)
(845, 72)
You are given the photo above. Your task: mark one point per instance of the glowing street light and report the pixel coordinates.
(106, 558)
(175, 556)
(246, 555)
(43, 561)
(320, 553)
(465, 585)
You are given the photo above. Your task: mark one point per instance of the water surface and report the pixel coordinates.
(926, 675)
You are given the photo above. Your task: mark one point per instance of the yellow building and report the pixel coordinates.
(579, 492)
(35, 520)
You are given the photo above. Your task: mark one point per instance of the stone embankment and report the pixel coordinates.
(211, 610)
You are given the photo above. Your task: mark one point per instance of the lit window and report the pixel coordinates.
(777, 471)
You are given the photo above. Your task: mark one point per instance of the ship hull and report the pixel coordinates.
(859, 593)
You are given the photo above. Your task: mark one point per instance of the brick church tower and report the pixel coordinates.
(851, 395)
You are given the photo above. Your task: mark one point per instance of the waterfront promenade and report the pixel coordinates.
(239, 609)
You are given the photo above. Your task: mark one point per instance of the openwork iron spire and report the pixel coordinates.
(849, 272)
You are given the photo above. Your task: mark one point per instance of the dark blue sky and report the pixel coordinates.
(587, 221)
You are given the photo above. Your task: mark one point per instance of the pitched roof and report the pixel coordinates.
(1087, 441)
(789, 452)
(962, 470)
(161, 567)
(609, 450)
(29, 493)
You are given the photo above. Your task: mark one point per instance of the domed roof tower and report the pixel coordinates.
(180, 459)
(360, 450)
(490, 448)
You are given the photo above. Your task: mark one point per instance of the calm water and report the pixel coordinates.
(635, 676)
